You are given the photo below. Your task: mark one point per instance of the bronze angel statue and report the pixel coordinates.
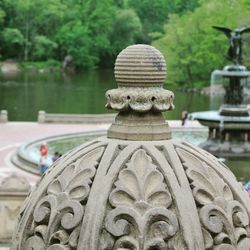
(234, 52)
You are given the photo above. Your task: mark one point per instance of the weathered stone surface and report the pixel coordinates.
(140, 72)
(164, 194)
(3, 116)
(13, 191)
(143, 194)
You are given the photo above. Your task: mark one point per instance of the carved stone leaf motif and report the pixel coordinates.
(225, 221)
(140, 100)
(58, 214)
(141, 218)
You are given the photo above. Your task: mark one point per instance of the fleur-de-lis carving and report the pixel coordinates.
(65, 196)
(141, 218)
(220, 214)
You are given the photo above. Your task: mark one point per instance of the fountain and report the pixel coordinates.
(229, 127)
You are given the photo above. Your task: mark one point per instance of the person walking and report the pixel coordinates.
(43, 165)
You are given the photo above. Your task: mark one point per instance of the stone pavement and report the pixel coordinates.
(13, 134)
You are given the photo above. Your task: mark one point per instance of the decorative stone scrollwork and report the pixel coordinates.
(141, 218)
(148, 191)
(58, 214)
(140, 99)
(225, 222)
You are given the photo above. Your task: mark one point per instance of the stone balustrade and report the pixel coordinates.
(13, 190)
(3, 116)
(44, 117)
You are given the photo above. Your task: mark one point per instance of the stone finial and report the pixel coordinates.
(140, 72)
(131, 194)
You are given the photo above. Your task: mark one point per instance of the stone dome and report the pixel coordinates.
(136, 194)
(140, 65)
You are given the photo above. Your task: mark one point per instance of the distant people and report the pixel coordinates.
(43, 165)
(56, 156)
(184, 116)
(247, 187)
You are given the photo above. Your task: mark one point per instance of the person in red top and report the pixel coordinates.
(44, 149)
(43, 158)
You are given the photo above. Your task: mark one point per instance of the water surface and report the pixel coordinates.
(26, 93)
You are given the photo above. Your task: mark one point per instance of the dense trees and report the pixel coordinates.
(192, 48)
(93, 32)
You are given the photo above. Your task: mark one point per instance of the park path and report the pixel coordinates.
(13, 134)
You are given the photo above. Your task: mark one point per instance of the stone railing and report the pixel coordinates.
(44, 117)
(13, 190)
(3, 116)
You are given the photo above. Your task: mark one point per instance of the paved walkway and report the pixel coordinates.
(13, 134)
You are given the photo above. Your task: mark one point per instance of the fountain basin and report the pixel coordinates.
(228, 136)
(28, 155)
(215, 119)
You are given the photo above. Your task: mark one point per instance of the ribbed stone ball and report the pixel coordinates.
(140, 65)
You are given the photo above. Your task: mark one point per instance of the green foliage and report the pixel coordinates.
(41, 65)
(192, 48)
(152, 14)
(99, 23)
(73, 39)
(2, 15)
(43, 48)
(11, 38)
(93, 32)
(182, 6)
(126, 30)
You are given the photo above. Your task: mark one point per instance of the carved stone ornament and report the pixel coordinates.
(123, 194)
(140, 72)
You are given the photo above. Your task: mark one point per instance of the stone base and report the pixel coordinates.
(233, 150)
(231, 110)
(139, 127)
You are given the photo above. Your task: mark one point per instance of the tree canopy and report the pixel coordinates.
(193, 48)
(93, 32)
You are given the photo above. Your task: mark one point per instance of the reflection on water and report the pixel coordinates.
(83, 93)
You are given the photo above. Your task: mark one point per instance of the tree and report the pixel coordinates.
(192, 48)
(11, 38)
(99, 23)
(43, 48)
(74, 39)
(32, 18)
(153, 15)
(2, 15)
(126, 31)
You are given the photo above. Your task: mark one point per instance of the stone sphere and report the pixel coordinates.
(140, 65)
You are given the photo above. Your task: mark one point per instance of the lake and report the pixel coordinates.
(26, 93)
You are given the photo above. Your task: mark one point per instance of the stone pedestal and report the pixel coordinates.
(13, 190)
(3, 116)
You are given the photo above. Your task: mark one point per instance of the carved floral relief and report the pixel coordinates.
(140, 217)
(225, 221)
(58, 214)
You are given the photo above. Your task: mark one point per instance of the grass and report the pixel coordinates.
(41, 65)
